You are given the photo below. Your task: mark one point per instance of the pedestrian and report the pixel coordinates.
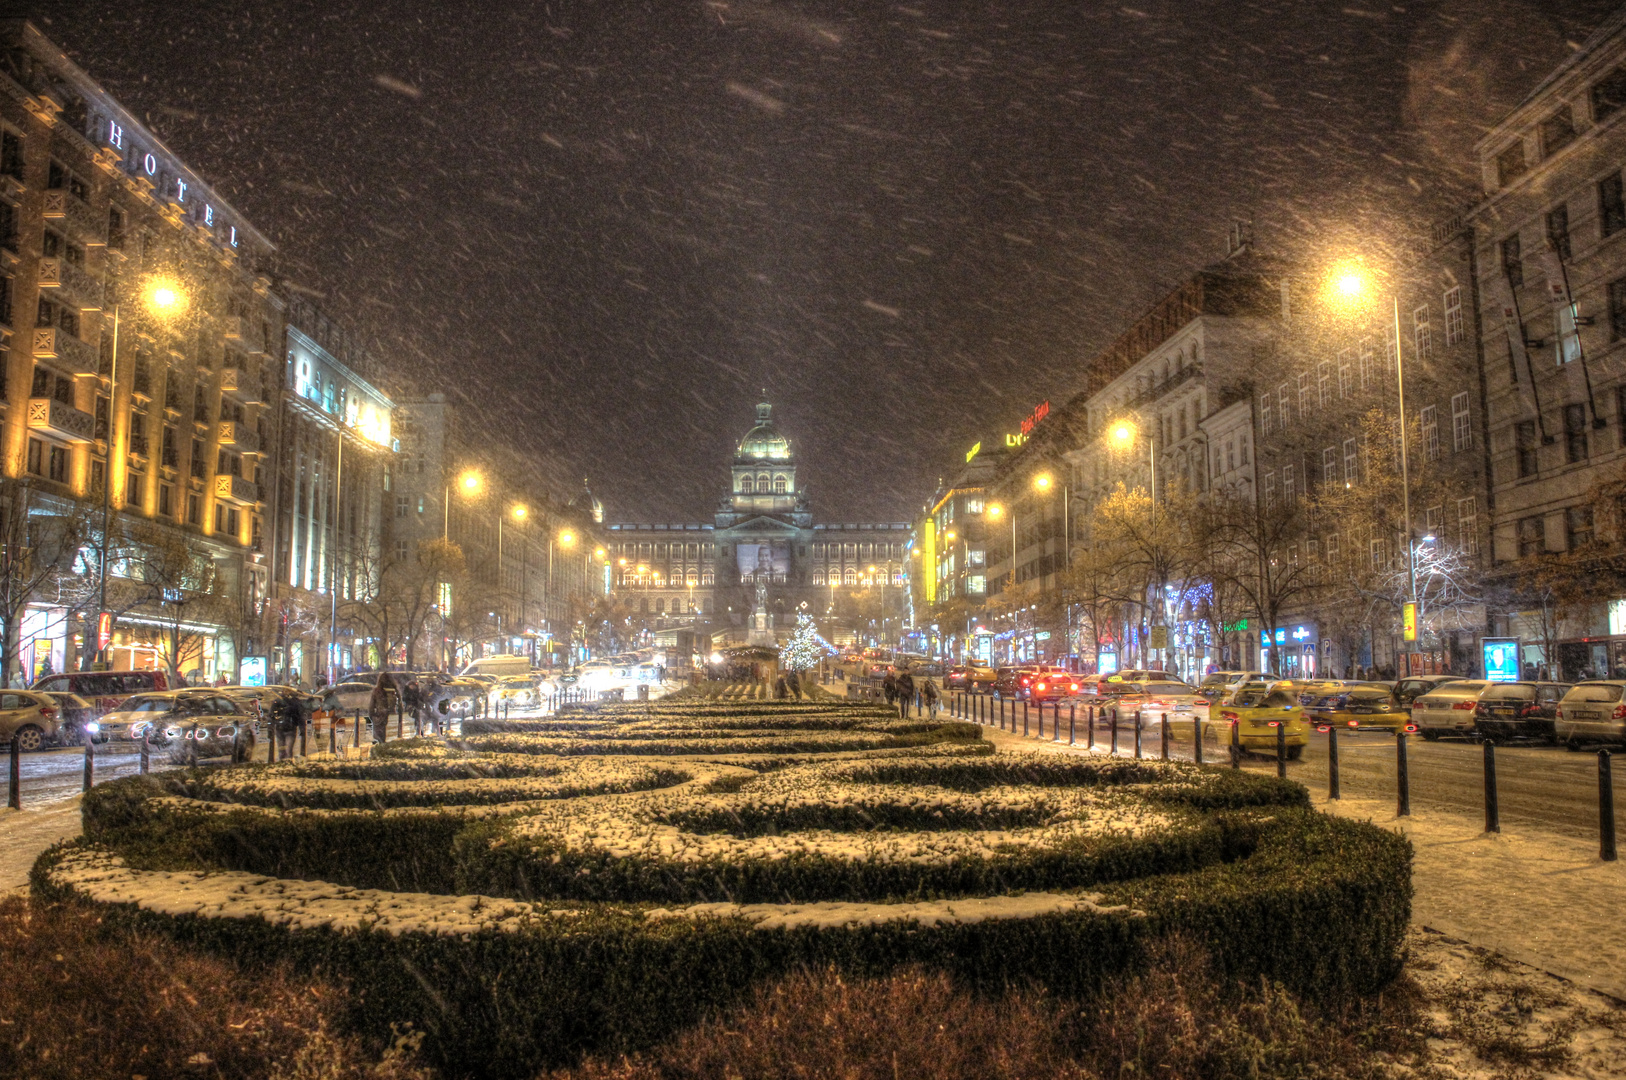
(781, 689)
(928, 691)
(378, 706)
(412, 702)
(795, 681)
(285, 720)
(906, 691)
(889, 687)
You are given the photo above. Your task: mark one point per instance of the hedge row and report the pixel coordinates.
(1317, 903)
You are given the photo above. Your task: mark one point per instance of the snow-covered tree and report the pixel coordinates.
(805, 647)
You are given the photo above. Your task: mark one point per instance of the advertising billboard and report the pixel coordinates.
(1501, 658)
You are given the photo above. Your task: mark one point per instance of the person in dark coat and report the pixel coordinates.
(285, 720)
(412, 702)
(906, 691)
(781, 689)
(889, 687)
(378, 706)
(794, 681)
(929, 694)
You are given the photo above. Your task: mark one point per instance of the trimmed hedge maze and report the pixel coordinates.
(540, 888)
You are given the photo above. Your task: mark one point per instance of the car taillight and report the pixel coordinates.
(1073, 688)
(47, 711)
(1465, 705)
(1620, 712)
(1040, 686)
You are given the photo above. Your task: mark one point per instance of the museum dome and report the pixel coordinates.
(764, 442)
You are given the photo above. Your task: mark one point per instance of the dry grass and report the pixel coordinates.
(1174, 1023)
(80, 1000)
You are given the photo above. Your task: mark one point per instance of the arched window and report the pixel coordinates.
(706, 576)
(693, 578)
(851, 577)
(779, 485)
(818, 577)
(745, 485)
(763, 482)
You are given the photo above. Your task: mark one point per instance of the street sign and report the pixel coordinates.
(1042, 635)
(1408, 620)
(1160, 637)
(104, 630)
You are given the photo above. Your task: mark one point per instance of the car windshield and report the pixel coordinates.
(1600, 692)
(145, 705)
(1369, 693)
(1251, 697)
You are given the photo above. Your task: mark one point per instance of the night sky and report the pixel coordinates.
(605, 226)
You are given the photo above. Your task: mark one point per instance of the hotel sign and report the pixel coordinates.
(1039, 412)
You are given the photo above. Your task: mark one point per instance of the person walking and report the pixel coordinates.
(889, 687)
(906, 691)
(285, 720)
(411, 702)
(929, 693)
(378, 706)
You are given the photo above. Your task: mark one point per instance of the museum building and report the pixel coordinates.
(705, 575)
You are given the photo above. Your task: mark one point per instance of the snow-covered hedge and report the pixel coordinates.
(526, 893)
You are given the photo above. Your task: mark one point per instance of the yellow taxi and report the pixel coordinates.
(1361, 705)
(1308, 690)
(1257, 708)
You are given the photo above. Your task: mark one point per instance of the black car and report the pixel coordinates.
(1519, 710)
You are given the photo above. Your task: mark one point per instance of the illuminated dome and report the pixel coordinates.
(764, 442)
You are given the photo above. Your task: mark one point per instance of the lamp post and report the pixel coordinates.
(164, 298)
(1124, 435)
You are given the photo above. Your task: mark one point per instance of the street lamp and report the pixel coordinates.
(1350, 290)
(469, 482)
(164, 299)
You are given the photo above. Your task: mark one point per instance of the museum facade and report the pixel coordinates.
(705, 575)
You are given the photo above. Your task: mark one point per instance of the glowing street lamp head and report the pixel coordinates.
(994, 510)
(470, 482)
(164, 296)
(1123, 433)
(598, 553)
(1042, 482)
(520, 512)
(1350, 288)
(567, 538)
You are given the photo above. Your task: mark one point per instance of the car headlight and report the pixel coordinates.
(93, 727)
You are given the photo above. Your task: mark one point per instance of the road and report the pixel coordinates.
(1537, 785)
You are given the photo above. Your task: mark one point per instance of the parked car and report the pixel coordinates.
(346, 698)
(519, 691)
(1448, 709)
(35, 720)
(1052, 683)
(258, 700)
(1216, 684)
(969, 677)
(1413, 687)
(78, 719)
(195, 723)
(1592, 712)
(1257, 708)
(1519, 710)
(105, 690)
(1100, 684)
(456, 698)
(1010, 681)
(1170, 696)
(1360, 705)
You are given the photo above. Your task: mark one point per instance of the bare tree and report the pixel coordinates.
(39, 539)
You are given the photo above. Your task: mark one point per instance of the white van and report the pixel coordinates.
(499, 666)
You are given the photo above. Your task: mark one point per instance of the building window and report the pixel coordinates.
(1453, 315)
(1290, 491)
(1431, 433)
(1611, 205)
(1557, 131)
(1609, 93)
(1468, 526)
(1270, 487)
(36, 457)
(1323, 383)
(1346, 373)
(1304, 395)
(745, 485)
(1574, 433)
(1578, 527)
(1422, 337)
(194, 509)
(403, 505)
(1462, 432)
(1369, 367)
(132, 489)
(1510, 164)
(1329, 465)
(1558, 231)
(1331, 547)
(1532, 537)
(1380, 554)
(1267, 420)
(1283, 416)
(166, 496)
(1513, 261)
(1352, 461)
(1524, 433)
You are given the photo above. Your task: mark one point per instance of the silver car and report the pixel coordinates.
(1448, 709)
(1592, 712)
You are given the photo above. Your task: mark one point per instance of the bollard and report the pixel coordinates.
(302, 732)
(332, 737)
(1072, 719)
(1114, 750)
(1606, 807)
(1493, 810)
(1236, 744)
(1165, 734)
(1140, 721)
(1025, 718)
(1281, 749)
(90, 761)
(1332, 763)
(14, 796)
(270, 752)
(1403, 808)
(236, 743)
(1089, 732)
(1055, 728)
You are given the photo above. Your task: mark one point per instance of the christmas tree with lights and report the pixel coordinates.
(805, 647)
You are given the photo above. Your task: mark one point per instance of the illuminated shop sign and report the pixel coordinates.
(1039, 412)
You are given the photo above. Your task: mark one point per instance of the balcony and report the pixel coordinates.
(57, 273)
(77, 356)
(80, 221)
(60, 421)
(241, 385)
(235, 489)
(239, 437)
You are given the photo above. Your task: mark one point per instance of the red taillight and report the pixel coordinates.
(1354, 723)
(1465, 705)
(1620, 712)
(1073, 688)
(1411, 729)
(1040, 686)
(47, 711)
